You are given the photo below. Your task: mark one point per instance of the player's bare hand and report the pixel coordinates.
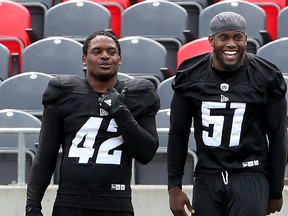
(274, 205)
(178, 200)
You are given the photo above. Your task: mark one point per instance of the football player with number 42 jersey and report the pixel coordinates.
(239, 111)
(101, 124)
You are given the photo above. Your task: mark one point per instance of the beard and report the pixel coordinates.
(228, 67)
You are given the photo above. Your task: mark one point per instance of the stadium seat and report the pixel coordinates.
(37, 10)
(143, 57)
(155, 172)
(193, 8)
(123, 76)
(160, 20)
(116, 7)
(24, 92)
(193, 48)
(15, 20)
(276, 52)
(283, 23)
(163, 125)
(165, 92)
(282, 3)
(272, 9)
(76, 19)
(256, 27)
(16, 120)
(4, 62)
(54, 55)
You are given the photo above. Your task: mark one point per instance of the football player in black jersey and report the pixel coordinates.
(101, 124)
(237, 103)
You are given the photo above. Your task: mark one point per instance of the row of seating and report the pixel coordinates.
(18, 126)
(60, 55)
(71, 19)
(14, 122)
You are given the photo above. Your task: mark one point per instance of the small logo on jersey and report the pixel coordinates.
(224, 98)
(118, 187)
(224, 87)
(108, 102)
(103, 112)
(251, 163)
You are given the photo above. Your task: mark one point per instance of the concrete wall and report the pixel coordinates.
(149, 200)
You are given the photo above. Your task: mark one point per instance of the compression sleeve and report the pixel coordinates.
(180, 124)
(45, 160)
(140, 137)
(276, 116)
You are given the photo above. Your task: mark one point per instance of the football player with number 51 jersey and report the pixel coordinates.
(100, 124)
(239, 111)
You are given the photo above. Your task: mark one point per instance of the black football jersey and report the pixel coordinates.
(231, 118)
(95, 169)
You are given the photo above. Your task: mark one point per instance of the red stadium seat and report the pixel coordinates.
(15, 19)
(193, 48)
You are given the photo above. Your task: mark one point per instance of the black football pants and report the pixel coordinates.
(226, 194)
(66, 211)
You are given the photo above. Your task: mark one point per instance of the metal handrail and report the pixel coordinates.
(21, 153)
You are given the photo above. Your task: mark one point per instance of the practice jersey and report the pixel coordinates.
(232, 118)
(96, 167)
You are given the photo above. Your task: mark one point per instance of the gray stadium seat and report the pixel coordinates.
(165, 92)
(163, 21)
(123, 76)
(4, 62)
(24, 92)
(143, 57)
(193, 8)
(163, 125)
(76, 19)
(254, 15)
(283, 23)
(276, 52)
(155, 172)
(54, 55)
(12, 118)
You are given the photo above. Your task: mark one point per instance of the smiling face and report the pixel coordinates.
(102, 59)
(229, 48)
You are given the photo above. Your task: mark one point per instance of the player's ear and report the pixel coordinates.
(120, 60)
(84, 59)
(211, 40)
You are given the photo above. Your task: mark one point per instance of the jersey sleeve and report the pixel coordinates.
(142, 98)
(138, 121)
(276, 115)
(180, 124)
(45, 160)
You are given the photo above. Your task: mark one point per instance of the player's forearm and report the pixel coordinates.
(277, 136)
(177, 153)
(141, 139)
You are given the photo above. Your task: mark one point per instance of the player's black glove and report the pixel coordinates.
(112, 101)
(33, 212)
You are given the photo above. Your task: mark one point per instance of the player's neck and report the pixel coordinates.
(100, 86)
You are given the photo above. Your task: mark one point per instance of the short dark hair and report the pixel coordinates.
(107, 33)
